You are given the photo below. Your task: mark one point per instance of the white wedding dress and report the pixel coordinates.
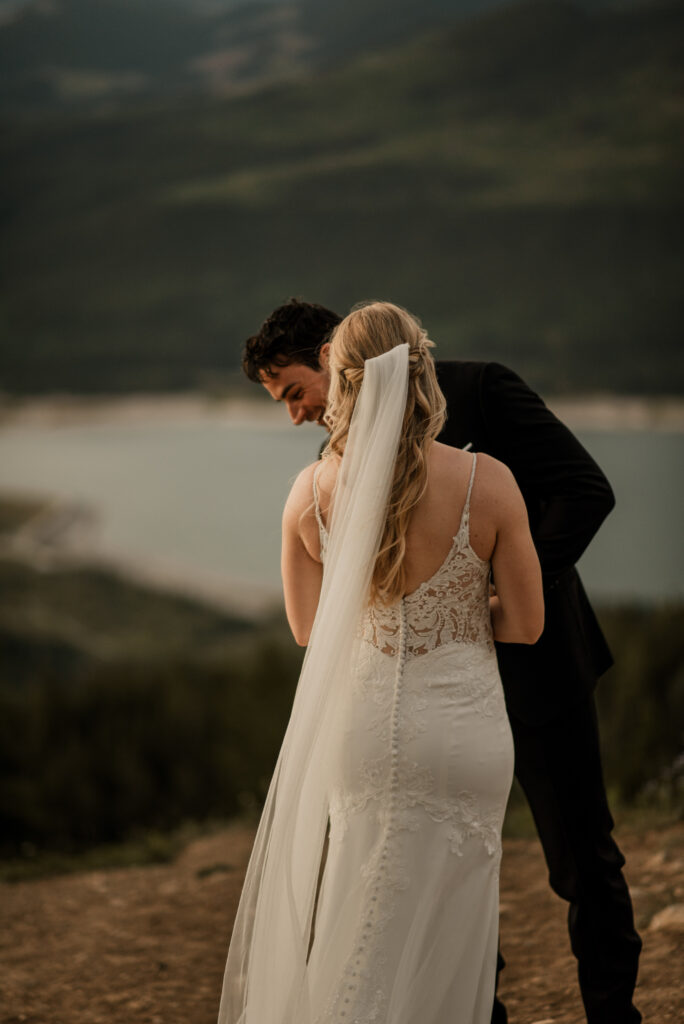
(406, 924)
(398, 745)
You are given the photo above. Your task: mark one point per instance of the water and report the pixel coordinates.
(205, 497)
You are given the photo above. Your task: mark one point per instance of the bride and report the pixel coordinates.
(398, 750)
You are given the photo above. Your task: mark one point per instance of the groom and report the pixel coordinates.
(549, 685)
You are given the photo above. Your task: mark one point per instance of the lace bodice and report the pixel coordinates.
(452, 606)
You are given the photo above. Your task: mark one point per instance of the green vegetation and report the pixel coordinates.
(69, 617)
(513, 179)
(135, 746)
(125, 711)
(641, 706)
(127, 742)
(147, 847)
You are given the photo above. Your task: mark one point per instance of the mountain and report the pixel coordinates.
(71, 50)
(57, 52)
(514, 179)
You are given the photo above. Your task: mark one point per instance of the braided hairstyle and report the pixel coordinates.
(368, 331)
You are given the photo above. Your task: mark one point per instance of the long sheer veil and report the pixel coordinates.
(265, 980)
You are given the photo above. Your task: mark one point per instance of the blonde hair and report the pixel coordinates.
(368, 331)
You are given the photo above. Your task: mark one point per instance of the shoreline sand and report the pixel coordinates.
(588, 412)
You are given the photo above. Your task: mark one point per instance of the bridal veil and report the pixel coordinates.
(266, 972)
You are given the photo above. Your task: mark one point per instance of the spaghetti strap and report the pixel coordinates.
(465, 515)
(470, 482)
(322, 532)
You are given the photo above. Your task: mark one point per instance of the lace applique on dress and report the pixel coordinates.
(441, 610)
(475, 679)
(415, 785)
(451, 607)
(370, 684)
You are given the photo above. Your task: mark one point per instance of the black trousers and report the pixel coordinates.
(558, 765)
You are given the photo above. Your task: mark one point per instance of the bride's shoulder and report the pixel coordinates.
(496, 495)
(492, 471)
(491, 476)
(456, 460)
(301, 496)
(301, 492)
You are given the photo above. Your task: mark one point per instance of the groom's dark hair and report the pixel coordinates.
(293, 333)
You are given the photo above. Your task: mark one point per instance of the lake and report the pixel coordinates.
(199, 498)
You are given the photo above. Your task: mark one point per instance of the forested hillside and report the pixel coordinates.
(513, 178)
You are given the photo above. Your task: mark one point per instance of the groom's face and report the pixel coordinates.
(303, 389)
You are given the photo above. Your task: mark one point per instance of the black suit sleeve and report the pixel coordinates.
(567, 495)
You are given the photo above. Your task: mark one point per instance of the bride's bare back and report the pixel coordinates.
(499, 533)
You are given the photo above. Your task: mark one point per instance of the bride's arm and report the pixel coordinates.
(300, 565)
(517, 607)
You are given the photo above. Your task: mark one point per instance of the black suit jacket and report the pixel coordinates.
(567, 498)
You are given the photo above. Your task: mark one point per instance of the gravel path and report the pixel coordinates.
(147, 945)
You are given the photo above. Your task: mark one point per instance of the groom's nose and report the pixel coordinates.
(297, 414)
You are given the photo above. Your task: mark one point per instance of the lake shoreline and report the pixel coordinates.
(188, 492)
(241, 598)
(588, 412)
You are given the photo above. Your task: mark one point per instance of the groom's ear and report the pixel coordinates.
(324, 356)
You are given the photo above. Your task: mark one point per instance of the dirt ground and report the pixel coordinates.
(147, 945)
